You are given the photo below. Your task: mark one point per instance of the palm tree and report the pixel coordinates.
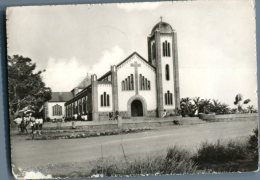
(196, 102)
(250, 109)
(239, 102)
(187, 108)
(219, 108)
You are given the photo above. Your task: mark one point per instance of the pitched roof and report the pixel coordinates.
(109, 72)
(84, 83)
(60, 96)
(138, 55)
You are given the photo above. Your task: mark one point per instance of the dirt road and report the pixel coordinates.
(29, 153)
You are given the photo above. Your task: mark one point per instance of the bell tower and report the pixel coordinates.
(162, 53)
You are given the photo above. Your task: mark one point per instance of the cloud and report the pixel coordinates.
(108, 58)
(128, 7)
(64, 74)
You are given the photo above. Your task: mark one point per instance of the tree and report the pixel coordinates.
(219, 107)
(25, 85)
(187, 108)
(239, 102)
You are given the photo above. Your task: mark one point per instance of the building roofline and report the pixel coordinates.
(134, 53)
(109, 72)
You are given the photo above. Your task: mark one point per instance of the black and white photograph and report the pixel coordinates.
(132, 89)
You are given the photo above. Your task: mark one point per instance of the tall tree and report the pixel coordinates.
(239, 102)
(25, 85)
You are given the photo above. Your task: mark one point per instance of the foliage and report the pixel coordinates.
(211, 153)
(176, 161)
(192, 107)
(187, 108)
(239, 102)
(250, 109)
(25, 85)
(253, 144)
(230, 156)
(219, 108)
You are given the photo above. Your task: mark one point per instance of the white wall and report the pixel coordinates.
(49, 109)
(101, 88)
(124, 71)
(167, 85)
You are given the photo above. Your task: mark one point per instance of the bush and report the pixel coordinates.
(220, 153)
(176, 161)
(253, 145)
(228, 157)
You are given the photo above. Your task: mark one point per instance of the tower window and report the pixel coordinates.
(153, 51)
(105, 100)
(166, 49)
(168, 98)
(167, 72)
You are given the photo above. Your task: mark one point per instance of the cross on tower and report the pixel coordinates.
(136, 65)
(161, 18)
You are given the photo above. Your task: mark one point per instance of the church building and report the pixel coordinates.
(135, 86)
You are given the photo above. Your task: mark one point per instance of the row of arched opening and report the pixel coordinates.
(128, 83)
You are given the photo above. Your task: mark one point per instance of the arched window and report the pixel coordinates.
(132, 82)
(140, 81)
(153, 51)
(57, 110)
(166, 49)
(149, 85)
(128, 83)
(144, 83)
(167, 72)
(101, 98)
(168, 98)
(108, 100)
(105, 99)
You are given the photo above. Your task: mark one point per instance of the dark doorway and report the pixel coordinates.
(136, 108)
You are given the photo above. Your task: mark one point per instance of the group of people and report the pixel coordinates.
(80, 117)
(113, 116)
(33, 119)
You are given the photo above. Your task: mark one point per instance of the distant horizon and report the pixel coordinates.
(216, 42)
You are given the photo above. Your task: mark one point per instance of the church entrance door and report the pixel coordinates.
(136, 108)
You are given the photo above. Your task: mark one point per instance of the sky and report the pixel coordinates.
(216, 42)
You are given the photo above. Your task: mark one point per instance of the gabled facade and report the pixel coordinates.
(135, 87)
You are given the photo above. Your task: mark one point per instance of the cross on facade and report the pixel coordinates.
(136, 65)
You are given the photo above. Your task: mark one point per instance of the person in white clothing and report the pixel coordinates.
(164, 113)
